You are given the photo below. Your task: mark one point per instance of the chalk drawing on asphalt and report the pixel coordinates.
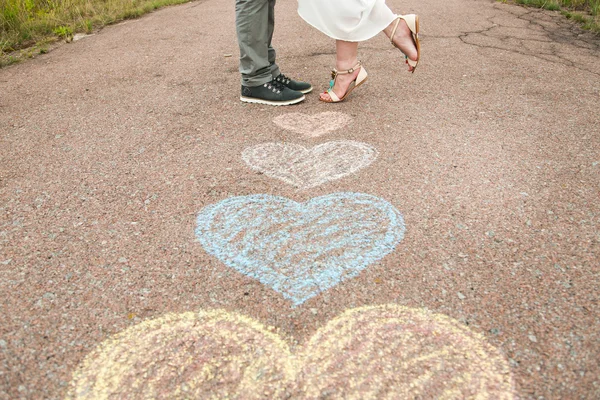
(313, 125)
(386, 351)
(300, 249)
(306, 168)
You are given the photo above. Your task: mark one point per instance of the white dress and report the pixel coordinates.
(349, 20)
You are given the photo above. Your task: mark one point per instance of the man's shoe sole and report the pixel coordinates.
(271, 102)
(306, 90)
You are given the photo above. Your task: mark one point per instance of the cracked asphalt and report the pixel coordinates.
(113, 144)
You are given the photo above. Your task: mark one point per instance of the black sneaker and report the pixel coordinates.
(272, 93)
(299, 86)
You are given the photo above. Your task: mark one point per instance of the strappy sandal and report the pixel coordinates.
(360, 79)
(412, 20)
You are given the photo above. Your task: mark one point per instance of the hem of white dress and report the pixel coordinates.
(344, 40)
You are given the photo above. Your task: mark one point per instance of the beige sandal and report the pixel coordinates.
(412, 20)
(360, 79)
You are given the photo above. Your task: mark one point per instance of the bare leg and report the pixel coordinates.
(403, 39)
(346, 58)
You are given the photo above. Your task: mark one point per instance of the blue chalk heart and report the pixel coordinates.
(300, 249)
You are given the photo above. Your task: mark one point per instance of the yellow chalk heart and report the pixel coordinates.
(380, 352)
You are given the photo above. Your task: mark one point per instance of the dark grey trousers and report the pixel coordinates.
(255, 22)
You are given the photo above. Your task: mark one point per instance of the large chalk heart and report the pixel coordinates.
(300, 249)
(306, 168)
(382, 352)
(313, 125)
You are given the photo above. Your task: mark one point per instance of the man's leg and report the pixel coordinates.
(303, 87)
(251, 20)
(254, 24)
(272, 53)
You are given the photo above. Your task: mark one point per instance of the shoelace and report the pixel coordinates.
(275, 86)
(283, 79)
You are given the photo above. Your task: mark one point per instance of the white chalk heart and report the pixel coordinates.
(313, 125)
(306, 168)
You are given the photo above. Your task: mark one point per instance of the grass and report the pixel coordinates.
(28, 27)
(586, 12)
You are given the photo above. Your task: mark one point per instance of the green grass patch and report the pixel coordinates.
(545, 4)
(586, 12)
(63, 31)
(27, 26)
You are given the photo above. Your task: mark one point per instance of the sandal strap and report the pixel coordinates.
(333, 96)
(335, 72)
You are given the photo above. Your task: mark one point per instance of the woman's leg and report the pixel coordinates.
(346, 58)
(403, 39)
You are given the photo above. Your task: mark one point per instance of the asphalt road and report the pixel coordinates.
(434, 236)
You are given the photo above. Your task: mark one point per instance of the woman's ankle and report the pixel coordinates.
(345, 65)
(387, 31)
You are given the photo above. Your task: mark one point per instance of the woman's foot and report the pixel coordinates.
(341, 85)
(403, 39)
